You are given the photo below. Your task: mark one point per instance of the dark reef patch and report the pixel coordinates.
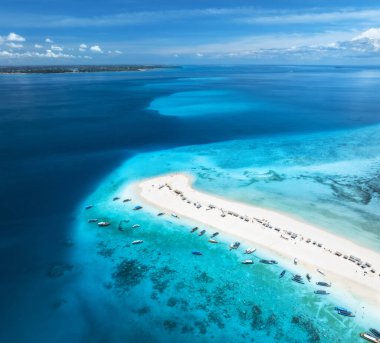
(129, 273)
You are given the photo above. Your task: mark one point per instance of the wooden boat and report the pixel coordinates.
(88, 207)
(194, 229)
(250, 251)
(369, 338)
(298, 278)
(174, 215)
(202, 233)
(346, 313)
(127, 200)
(139, 241)
(136, 208)
(116, 198)
(160, 214)
(282, 273)
(321, 292)
(308, 277)
(247, 262)
(321, 272)
(234, 245)
(322, 283)
(214, 234)
(269, 261)
(196, 253)
(212, 241)
(104, 224)
(375, 332)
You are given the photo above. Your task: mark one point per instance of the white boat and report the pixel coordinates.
(103, 224)
(135, 226)
(139, 241)
(247, 262)
(212, 241)
(250, 250)
(234, 245)
(295, 261)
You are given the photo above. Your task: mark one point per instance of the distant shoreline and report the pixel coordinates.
(73, 69)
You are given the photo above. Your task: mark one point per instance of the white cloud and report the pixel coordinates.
(34, 54)
(15, 45)
(373, 34)
(117, 52)
(83, 46)
(199, 54)
(38, 46)
(14, 37)
(48, 40)
(56, 48)
(96, 48)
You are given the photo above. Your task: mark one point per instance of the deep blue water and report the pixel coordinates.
(60, 135)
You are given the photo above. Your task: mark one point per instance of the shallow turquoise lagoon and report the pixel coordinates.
(173, 295)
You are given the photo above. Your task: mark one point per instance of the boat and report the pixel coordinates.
(321, 272)
(127, 200)
(295, 261)
(214, 234)
(212, 241)
(308, 277)
(375, 332)
(88, 207)
(139, 241)
(194, 229)
(136, 208)
(202, 233)
(346, 313)
(174, 215)
(338, 308)
(160, 214)
(116, 198)
(93, 220)
(135, 226)
(298, 278)
(321, 292)
(268, 261)
(247, 262)
(282, 273)
(322, 283)
(234, 245)
(196, 253)
(103, 224)
(369, 338)
(250, 251)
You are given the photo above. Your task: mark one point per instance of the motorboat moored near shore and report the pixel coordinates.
(202, 233)
(138, 241)
(104, 224)
(234, 245)
(212, 241)
(282, 273)
(324, 284)
(136, 208)
(321, 292)
(250, 251)
(247, 262)
(369, 337)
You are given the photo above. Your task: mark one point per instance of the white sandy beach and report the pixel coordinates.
(174, 194)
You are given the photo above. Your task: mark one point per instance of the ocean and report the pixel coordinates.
(281, 137)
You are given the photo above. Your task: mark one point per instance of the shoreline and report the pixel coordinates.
(285, 236)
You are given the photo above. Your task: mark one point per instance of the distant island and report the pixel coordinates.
(76, 69)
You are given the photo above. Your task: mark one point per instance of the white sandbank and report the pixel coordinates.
(174, 194)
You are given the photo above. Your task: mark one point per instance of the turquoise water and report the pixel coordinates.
(281, 137)
(213, 297)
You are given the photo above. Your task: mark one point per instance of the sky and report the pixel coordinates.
(189, 32)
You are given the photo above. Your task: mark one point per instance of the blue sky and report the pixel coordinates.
(183, 32)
